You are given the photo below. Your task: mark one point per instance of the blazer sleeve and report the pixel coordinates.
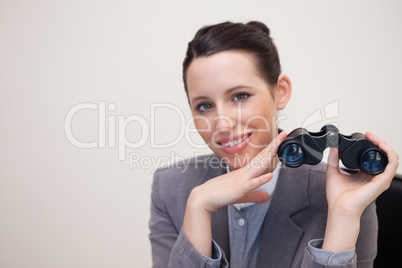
(170, 246)
(163, 233)
(366, 246)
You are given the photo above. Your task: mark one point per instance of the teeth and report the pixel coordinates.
(234, 143)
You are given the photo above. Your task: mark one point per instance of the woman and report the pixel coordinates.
(252, 212)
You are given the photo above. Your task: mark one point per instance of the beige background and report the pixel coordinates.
(65, 206)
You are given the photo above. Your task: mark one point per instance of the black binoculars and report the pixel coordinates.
(356, 152)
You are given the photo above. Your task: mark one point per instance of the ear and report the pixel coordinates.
(283, 91)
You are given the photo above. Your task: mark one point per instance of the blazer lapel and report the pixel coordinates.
(280, 236)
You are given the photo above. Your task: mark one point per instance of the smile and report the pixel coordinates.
(234, 144)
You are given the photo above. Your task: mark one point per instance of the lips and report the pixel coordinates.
(234, 144)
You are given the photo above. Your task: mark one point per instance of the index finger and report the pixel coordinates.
(265, 160)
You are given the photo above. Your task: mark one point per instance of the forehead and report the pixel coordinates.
(221, 71)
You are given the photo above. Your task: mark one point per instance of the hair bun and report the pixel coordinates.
(260, 26)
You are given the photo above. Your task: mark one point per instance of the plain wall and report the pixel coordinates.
(65, 206)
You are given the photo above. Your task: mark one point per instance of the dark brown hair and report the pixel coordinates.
(252, 37)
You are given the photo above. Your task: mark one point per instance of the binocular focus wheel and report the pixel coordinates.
(374, 161)
(293, 154)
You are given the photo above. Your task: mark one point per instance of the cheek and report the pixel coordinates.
(263, 119)
(203, 126)
(260, 117)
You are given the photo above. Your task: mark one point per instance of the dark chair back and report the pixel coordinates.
(389, 213)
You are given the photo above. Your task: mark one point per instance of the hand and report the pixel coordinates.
(238, 186)
(235, 187)
(353, 193)
(349, 195)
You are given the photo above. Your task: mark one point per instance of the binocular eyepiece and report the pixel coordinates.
(356, 152)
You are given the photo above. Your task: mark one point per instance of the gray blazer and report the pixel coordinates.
(297, 214)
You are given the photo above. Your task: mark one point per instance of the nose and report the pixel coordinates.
(225, 119)
(223, 123)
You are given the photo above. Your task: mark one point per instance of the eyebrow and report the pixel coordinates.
(226, 93)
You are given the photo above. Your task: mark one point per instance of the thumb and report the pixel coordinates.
(333, 161)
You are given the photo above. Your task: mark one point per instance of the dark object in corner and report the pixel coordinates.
(389, 213)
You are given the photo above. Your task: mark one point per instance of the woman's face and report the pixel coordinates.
(233, 107)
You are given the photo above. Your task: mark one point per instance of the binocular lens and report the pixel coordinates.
(293, 154)
(374, 162)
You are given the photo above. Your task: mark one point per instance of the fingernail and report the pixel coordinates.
(267, 177)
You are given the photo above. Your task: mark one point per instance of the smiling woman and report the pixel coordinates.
(254, 212)
(228, 90)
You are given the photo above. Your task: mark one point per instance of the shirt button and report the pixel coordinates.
(241, 222)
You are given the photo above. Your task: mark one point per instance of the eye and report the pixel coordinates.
(204, 107)
(241, 96)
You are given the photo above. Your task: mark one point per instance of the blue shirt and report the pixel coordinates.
(245, 221)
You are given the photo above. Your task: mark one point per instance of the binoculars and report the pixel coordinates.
(356, 152)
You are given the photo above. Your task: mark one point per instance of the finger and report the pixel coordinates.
(373, 138)
(383, 145)
(333, 161)
(253, 184)
(266, 158)
(393, 157)
(384, 179)
(255, 197)
(273, 146)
